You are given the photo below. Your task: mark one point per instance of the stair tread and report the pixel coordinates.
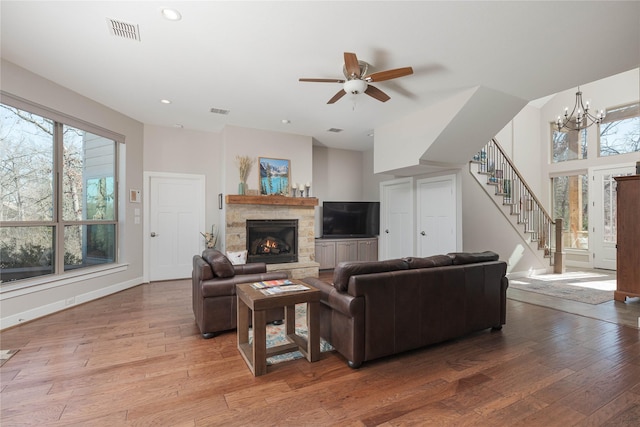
(497, 177)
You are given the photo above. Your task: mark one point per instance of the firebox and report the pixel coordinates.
(272, 241)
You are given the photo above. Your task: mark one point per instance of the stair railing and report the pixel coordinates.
(522, 202)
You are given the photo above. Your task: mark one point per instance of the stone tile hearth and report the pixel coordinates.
(241, 208)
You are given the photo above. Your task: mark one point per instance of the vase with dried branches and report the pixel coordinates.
(244, 164)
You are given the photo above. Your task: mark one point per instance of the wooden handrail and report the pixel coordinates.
(501, 169)
(519, 175)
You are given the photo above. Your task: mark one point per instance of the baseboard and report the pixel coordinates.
(56, 306)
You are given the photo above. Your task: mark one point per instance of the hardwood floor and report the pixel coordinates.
(136, 358)
(623, 313)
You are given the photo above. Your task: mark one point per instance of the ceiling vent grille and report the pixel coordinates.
(124, 30)
(219, 111)
(334, 130)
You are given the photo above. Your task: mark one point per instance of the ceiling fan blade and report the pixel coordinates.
(337, 96)
(351, 64)
(389, 74)
(322, 80)
(376, 93)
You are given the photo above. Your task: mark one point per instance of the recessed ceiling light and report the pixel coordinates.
(334, 130)
(285, 121)
(165, 101)
(178, 125)
(171, 14)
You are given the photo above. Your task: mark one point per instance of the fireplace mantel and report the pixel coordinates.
(271, 200)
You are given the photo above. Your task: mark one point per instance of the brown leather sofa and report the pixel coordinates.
(376, 309)
(214, 281)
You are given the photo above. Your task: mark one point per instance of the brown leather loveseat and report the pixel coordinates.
(376, 309)
(214, 281)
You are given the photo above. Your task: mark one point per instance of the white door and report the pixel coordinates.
(176, 218)
(396, 218)
(436, 216)
(603, 215)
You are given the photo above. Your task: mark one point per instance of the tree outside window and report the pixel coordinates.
(42, 217)
(568, 144)
(620, 131)
(571, 203)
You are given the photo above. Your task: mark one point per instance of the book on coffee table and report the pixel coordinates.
(275, 290)
(271, 283)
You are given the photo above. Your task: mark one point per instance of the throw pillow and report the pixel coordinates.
(237, 258)
(220, 264)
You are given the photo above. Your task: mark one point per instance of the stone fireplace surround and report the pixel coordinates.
(241, 208)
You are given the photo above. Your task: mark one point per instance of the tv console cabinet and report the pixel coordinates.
(330, 252)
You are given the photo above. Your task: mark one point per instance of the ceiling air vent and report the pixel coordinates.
(334, 130)
(219, 111)
(124, 30)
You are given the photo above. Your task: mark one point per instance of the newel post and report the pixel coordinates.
(558, 255)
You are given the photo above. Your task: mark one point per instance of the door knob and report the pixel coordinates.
(423, 233)
(386, 231)
(153, 234)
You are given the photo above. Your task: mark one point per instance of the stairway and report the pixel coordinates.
(495, 171)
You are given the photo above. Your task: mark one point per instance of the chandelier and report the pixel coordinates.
(580, 117)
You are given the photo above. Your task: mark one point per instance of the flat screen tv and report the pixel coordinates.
(350, 219)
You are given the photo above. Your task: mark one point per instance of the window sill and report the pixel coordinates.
(28, 286)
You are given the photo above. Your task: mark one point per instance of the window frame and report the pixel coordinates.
(567, 224)
(57, 222)
(614, 114)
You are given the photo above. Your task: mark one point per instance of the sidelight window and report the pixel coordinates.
(571, 203)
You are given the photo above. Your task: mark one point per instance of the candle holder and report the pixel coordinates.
(294, 190)
(306, 189)
(301, 193)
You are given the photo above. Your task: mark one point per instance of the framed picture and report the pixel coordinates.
(274, 176)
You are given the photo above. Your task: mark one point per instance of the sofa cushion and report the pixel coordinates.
(345, 270)
(430, 261)
(220, 264)
(460, 258)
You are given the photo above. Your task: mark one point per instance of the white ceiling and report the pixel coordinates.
(247, 56)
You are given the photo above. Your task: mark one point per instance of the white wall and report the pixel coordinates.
(520, 140)
(260, 143)
(42, 298)
(186, 151)
(340, 172)
(370, 180)
(484, 227)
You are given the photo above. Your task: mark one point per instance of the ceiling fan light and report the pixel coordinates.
(355, 86)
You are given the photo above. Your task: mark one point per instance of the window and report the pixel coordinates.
(571, 203)
(58, 203)
(568, 144)
(620, 131)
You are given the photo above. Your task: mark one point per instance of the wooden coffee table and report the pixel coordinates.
(254, 300)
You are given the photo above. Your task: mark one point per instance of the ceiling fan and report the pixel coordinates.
(357, 80)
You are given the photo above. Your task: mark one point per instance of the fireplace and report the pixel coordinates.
(272, 241)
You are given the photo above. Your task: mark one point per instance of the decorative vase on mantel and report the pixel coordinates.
(242, 188)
